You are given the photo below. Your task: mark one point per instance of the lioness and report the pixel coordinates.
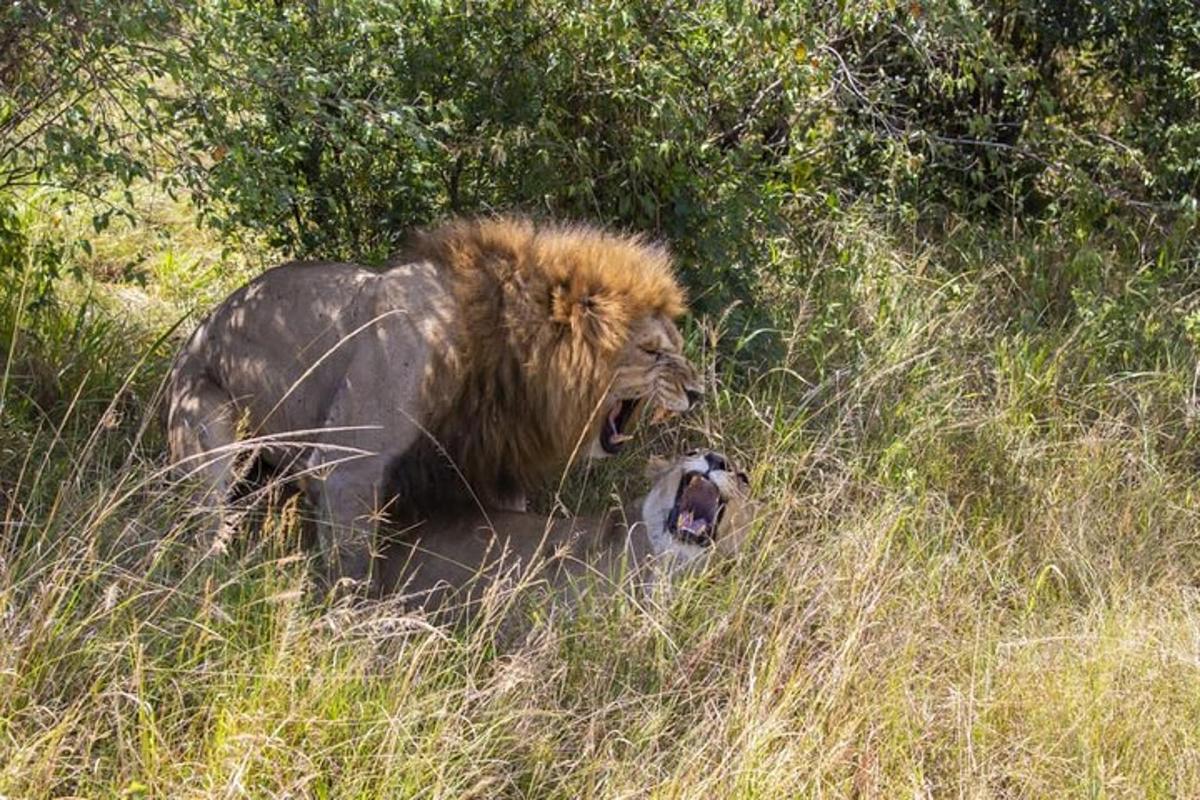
(489, 354)
(696, 505)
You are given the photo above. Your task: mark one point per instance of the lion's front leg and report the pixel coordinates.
(369, 422)
(348, 498)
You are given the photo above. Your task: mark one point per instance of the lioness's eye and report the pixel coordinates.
(650, 351)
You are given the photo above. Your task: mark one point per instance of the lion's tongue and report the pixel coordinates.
(619, 418)
(698, 505)
(615, 436)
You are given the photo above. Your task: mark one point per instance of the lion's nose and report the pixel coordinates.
(693, 397)
(716, 462)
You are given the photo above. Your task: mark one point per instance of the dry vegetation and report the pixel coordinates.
(975, 576)
(945, 262)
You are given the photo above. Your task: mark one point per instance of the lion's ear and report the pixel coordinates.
(656, 467)
(561, 305)
(600, 319)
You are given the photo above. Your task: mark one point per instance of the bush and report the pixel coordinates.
(729, 129)
(334, 128)
(79, 111)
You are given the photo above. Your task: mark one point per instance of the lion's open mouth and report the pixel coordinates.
(697, 511)
(617, 424)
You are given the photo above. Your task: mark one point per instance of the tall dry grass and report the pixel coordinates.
(974, 575)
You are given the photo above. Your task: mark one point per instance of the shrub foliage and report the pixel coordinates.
(332, 127)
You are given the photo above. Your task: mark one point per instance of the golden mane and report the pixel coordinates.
(543, 312)
(576, 261)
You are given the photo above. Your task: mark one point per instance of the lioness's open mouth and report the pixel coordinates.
(617, 424)
(697, 511)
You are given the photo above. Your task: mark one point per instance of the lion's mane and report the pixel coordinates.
(542, 312)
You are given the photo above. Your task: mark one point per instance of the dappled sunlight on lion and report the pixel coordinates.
(488, 356)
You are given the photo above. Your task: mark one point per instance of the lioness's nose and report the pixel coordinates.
(693, 398)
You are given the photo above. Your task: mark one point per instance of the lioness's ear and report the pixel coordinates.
(656, 467)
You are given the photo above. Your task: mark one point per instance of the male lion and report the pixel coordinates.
(486, 356)
(696, 505)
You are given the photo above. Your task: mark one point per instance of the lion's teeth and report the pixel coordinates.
(617, 438)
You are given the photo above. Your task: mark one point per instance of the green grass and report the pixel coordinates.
(974, 573)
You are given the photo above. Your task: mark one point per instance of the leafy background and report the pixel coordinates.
(943, 261)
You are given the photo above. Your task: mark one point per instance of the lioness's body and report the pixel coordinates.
(451, 559)
(486, 357)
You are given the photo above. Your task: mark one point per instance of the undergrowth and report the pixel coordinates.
(973, 572)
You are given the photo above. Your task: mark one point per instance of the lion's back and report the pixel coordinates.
(283, 343)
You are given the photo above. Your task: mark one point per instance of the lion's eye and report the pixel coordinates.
(653, 353)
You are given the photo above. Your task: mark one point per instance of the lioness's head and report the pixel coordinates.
(698, 503)
(651, 376)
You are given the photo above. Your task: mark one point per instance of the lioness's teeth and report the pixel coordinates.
(617, 438)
